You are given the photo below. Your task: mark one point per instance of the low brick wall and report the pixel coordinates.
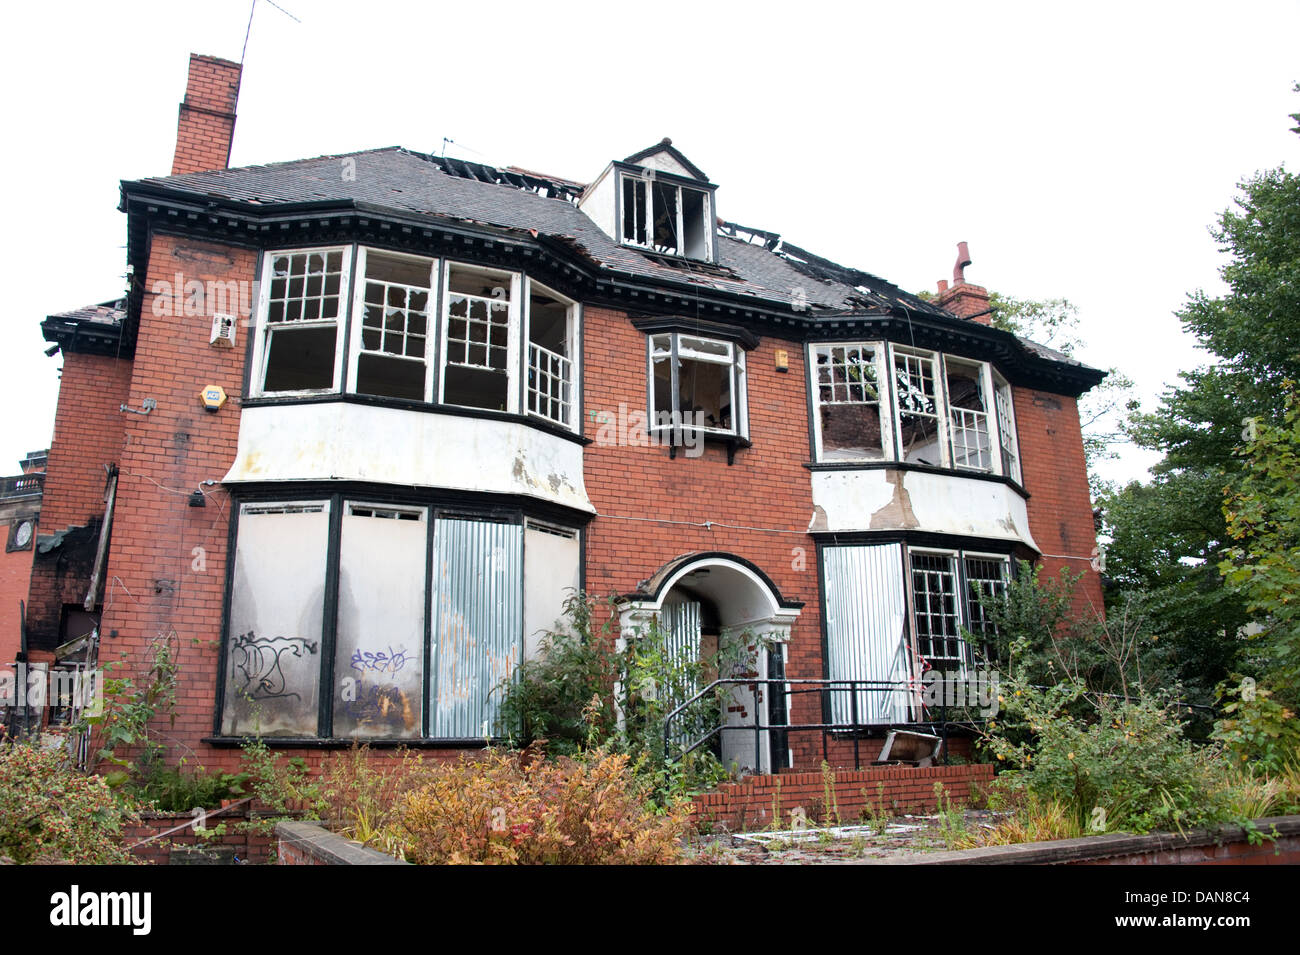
(147, 844)
(1222, 845)
(750, 803)
(302, 843)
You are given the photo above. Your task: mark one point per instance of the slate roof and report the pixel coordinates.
(424, 185)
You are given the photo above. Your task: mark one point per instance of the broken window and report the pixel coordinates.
(917, 407)
(986, 577)
(300, 347)
(941, 412)
(669, 218)
(480, 338)
(1006, 428)
(968, 415)
(694, 383)
(943, 606)
(935, 611)
(392, 335)
(847, 402)
(551, 380)
(277, 610)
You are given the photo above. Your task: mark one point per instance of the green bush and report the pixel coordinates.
(50, 813)
(573, 694)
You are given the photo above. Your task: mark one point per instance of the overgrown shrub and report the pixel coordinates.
(50, 813)
(505, 808)
(573, 694)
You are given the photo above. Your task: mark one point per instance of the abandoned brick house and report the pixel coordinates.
(362, 420)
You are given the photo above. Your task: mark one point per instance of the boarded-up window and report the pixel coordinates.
(478, 621)
(551, 574)
(866, 607)
(379, 652)
(276, 612)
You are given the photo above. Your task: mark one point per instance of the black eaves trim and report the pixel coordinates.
(685, 324)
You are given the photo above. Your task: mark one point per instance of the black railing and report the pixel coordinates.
(954, 709)
(908, 698)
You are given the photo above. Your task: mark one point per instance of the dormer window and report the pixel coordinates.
(664, 216)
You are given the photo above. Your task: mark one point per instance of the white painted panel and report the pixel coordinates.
(342, 441)
(599, 202)
(551, 569)
(886, 499)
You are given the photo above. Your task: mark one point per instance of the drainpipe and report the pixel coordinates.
(101, 552)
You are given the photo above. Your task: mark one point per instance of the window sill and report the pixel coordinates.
(730, 441)
(533, 421)
(923, 468)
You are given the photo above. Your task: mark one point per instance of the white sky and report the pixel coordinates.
(1082, 153)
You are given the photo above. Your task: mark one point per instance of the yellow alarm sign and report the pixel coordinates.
(213, 397)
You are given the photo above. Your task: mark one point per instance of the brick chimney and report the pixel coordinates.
(207, 117)
(961, 298)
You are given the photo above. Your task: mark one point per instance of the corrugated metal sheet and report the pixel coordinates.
(681, 623)
(478, 623)
(866, 606)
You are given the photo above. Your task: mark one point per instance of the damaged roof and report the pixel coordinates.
(91, 329)
(750, 262)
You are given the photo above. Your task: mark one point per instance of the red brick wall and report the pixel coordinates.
(1056, 477)
(889, 789)
(768, 487)
(88, 430)
(162, 586)
(88, 436)
(15, 576)
(207, 116)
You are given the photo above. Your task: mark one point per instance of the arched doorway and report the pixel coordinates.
(719, 604)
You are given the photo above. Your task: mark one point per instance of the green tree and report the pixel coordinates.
(1169, 535)
(1054, 322)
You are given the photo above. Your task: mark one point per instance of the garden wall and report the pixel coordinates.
(890, 789)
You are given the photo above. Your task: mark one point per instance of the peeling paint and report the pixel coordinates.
(897, 514)
(819, 522)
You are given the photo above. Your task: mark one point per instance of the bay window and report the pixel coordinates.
(894, 612)
(877, 401)
(352, 619)
(414, 328)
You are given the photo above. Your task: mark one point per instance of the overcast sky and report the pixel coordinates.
(1082, 152)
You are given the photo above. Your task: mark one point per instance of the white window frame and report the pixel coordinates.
(357, 317)
(997, 397)
(513, 350)
(572, 340)
(1008, 458)
(884, 400)
(987, 415)
(631, 180)
(262, 338)
(739, 392)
